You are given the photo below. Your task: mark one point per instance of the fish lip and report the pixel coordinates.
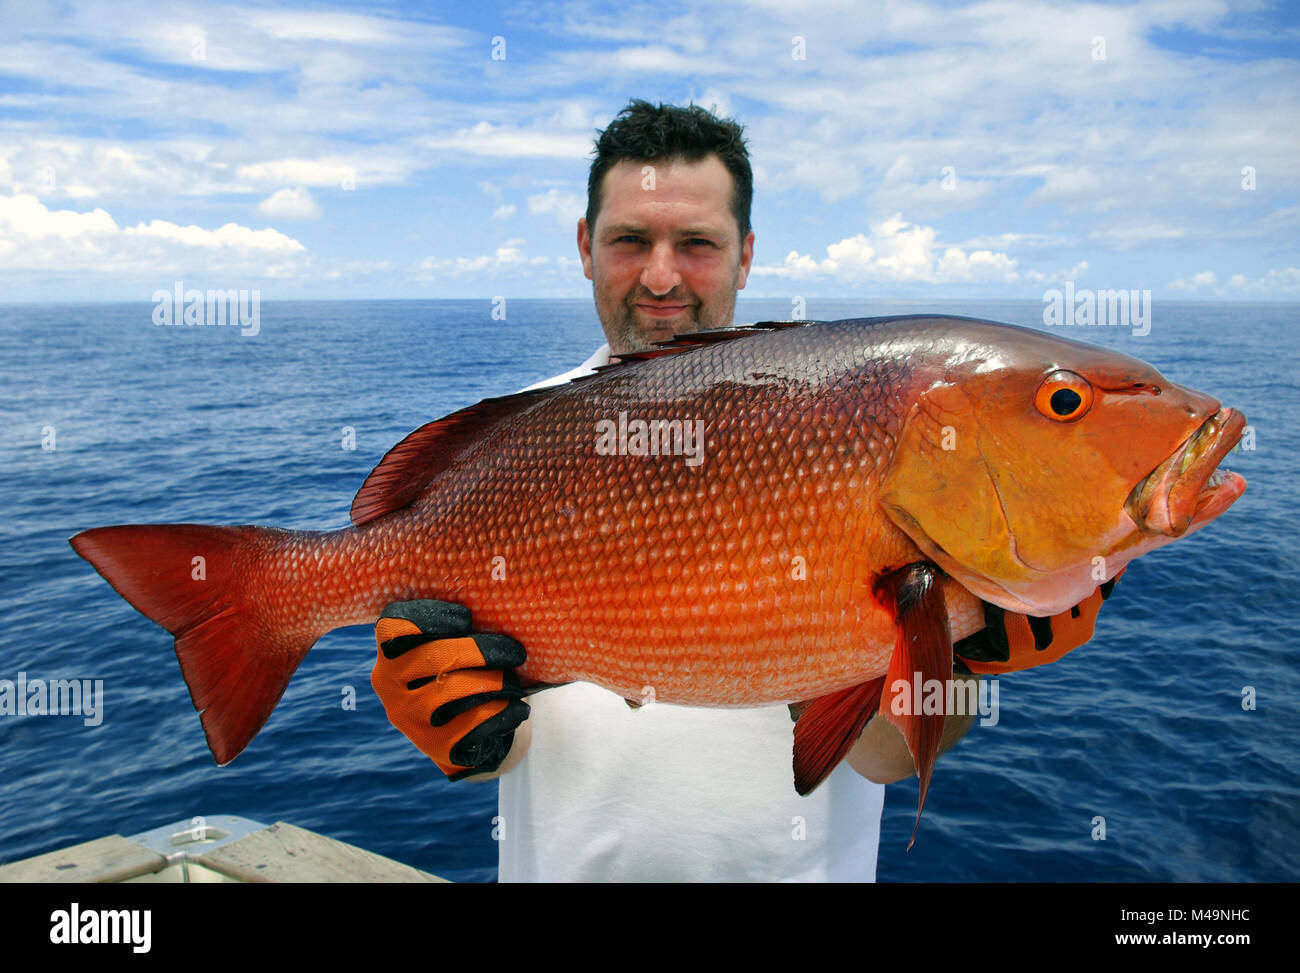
(1188, 488)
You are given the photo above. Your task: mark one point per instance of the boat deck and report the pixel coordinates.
(220, 848)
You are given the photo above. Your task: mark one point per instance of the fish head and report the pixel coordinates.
(1032, 468)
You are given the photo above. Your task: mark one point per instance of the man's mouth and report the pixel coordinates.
(663, 310)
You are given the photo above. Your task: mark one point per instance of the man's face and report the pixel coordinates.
(666, 260)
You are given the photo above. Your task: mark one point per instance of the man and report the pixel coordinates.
(589, 789)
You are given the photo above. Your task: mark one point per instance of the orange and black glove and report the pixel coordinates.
(1010, 642)
(453, 692)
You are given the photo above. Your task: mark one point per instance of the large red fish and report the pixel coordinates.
(784, 513)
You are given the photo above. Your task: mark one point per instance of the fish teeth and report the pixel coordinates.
(1203, 439)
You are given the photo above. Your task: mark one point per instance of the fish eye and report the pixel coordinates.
(1064, 396)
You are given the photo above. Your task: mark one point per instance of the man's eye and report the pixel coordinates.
(700, 241)
(627, 238)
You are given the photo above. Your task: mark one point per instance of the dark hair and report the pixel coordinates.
(643, 132)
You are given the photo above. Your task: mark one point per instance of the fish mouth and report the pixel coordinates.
(1188, 488)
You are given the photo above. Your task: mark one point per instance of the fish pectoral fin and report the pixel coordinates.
(922, 659)
(826, 728)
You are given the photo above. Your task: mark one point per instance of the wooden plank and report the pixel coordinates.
(285, 853)
(110, 859)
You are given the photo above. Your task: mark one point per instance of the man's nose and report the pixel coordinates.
(660, 275)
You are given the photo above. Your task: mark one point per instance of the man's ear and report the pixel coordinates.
(746, 258)
(584, 247)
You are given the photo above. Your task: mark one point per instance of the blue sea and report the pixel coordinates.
(109, 418)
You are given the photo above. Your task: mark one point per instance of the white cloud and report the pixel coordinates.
(1009, 240)
(896, 251)
(1279, 282)
(656, 58)
(504, 212)
(1204, 279)
(262, 41)
(1055, 277)
(1276, 284)
(508, 256)
(714, 99)
(293, 204)
(1076, 184)
(26, 216)
(979, 265)
(72, 168)
(929, 189)
(687, 56)
(84, 169)
(1128, 237)
(192, 44)
(230, 235)
(337, 172)
(565, 207)
(318, 25)
(824, 171)
(65, 242)
(512, 143)
(358, 268)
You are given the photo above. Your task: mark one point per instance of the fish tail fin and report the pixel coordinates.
(208, 587)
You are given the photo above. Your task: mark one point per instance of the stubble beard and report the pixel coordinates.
(632, 337)
(637, 337)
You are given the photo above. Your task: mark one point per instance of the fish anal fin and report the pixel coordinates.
(411, 465)
(826, 729)
(922, 654)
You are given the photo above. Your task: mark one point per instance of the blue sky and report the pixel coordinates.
(915, 150)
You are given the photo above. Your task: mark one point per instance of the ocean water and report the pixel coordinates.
(1144, 727)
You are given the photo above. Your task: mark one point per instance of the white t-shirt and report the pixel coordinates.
(674, 793)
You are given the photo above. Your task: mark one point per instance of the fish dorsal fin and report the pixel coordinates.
(407, 468)
(698, 339)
